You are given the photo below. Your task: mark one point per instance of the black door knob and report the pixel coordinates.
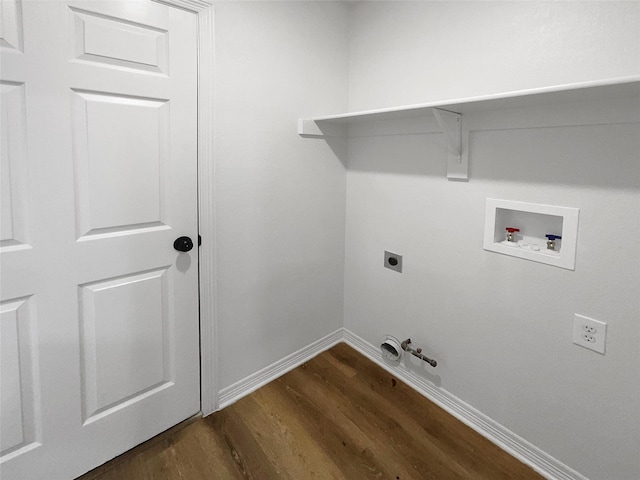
(183, 244)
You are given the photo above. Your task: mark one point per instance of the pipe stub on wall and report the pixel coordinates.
(391, 349)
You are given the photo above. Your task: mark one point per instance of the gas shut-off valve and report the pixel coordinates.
(393, 350)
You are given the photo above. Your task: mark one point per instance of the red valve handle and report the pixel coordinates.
(512, 230)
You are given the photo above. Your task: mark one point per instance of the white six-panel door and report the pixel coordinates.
(99, 313)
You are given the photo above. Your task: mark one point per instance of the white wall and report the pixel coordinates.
(280, 199)
(419, 51)
(499, 326)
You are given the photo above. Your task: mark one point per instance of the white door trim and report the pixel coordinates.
(206, 218)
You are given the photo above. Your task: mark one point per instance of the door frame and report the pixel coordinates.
(207, 293)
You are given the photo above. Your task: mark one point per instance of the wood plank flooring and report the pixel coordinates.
(339, 416)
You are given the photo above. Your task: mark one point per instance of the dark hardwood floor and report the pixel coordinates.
(339, 416)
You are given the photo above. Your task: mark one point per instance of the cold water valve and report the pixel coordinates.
(510, 233)
(551, 241)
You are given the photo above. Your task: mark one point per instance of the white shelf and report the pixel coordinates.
(336, 125)
(575, 92)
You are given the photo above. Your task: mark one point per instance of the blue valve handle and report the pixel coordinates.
(553, 237)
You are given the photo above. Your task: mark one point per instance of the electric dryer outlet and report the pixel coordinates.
(589, 333)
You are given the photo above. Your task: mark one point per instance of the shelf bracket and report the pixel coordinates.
(457, 157)
(311, 128)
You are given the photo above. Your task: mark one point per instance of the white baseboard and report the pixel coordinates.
(527, 453)
(244, 387)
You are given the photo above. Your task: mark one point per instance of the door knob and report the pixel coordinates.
(183, 244)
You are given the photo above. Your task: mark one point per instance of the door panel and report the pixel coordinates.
(17, 377)
(13, 229)
(99, 324)
(119, 372)
(109, 201)
(117, 42)
(11, 25)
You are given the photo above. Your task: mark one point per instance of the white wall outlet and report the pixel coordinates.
(589, 333)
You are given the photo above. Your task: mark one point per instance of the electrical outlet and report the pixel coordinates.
(393, 261)
(589, 333)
